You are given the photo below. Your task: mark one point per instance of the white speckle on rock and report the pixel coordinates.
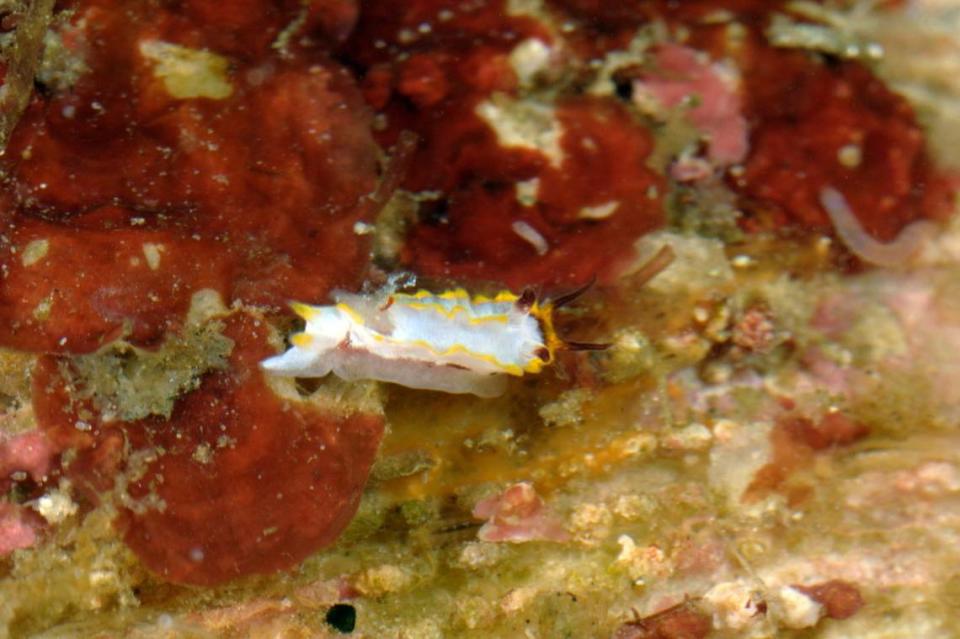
(528, 59)
(734, 604)
(524, 123)
(34, 251)
(527, 191)
(642, 562)
(152, 251)
(598, 212)
(693, 437)
(797, 609)
(532, 236)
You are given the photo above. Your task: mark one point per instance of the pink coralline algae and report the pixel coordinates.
(30, 452)
(518, 514)
(707, 94)
(19, 528)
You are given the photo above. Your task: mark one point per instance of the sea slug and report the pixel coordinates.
(449, 341)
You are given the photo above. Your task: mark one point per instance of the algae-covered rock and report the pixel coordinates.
(130, 383)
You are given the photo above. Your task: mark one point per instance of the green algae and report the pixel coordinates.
(15, 368)
(131, 383)
(21, 52)
(82, 570)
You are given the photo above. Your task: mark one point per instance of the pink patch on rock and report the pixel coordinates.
(18, 528)
(685, 78)
(516, 515)
(30, 452)
(691, 169)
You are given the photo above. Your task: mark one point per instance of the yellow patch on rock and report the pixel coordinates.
(188, 73)
(34, 251)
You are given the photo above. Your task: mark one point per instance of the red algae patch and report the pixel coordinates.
(813, 120)
(794, 441)
(678, 622)
(238, 480)
(251, 483)
(73, 290)
(172, 150)
(818, 124)
(584, 211)
(169, 155)
(840, 599)
(516, 187)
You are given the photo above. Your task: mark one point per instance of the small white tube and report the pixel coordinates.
(896, 254)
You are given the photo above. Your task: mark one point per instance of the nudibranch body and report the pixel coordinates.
(449, 341)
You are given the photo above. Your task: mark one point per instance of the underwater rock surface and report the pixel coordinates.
(768, 409)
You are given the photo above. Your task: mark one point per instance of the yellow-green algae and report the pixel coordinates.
(130, 383)
(82, 569)
(20, 52)
(188, 73)
(15, 370)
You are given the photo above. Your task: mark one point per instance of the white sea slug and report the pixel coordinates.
(449, 341)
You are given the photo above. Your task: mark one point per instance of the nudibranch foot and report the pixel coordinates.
(352, 365)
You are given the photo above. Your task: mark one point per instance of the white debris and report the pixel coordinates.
(598, 212)
(735, 605)
(527, 191)
(532, 236)
(797, 609)
(524, 123)
(693, 437)
(642, 561)
(152, 251)
(34, 251)
(55, 506)
(188, 73)
(529, 59)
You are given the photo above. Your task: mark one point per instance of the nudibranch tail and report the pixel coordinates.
(304, 311)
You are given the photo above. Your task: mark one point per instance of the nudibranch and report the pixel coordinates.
(449, 341)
